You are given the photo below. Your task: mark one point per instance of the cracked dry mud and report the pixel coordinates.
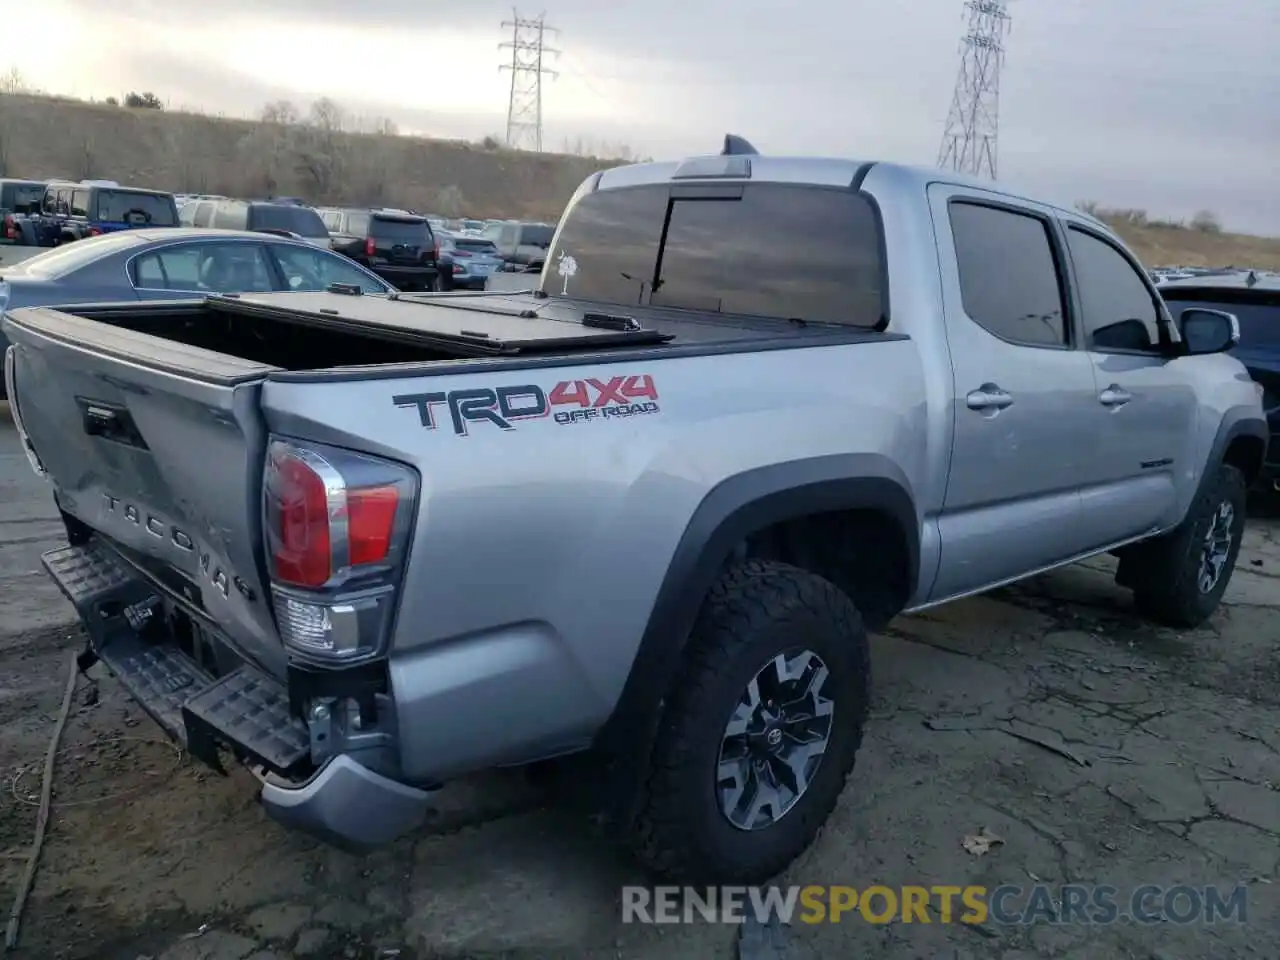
(1100, 749)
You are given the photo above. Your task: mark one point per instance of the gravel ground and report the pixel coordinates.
(1097, 748)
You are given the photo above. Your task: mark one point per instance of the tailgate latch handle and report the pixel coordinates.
(110, 422)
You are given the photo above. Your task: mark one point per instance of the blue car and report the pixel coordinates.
(72, 211)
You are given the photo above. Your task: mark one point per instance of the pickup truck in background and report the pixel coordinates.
(368, 544)
(89, 208)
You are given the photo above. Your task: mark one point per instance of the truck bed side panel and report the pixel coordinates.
(540, 547)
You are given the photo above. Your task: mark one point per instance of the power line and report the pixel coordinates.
(528, 51)
(970, 140)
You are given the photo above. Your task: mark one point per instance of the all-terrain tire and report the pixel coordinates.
(1165, 582)
(756, 611)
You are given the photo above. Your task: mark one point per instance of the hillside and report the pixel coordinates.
(46, 137)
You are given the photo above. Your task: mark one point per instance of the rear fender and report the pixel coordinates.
(727, 516)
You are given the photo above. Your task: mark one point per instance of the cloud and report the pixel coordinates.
(1165, 104)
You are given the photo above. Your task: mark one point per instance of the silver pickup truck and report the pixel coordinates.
(646, 514)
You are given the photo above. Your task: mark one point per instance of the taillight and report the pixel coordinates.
(369, 247)
(459, 268)
(95, 231)
(337, 529)
(435, 250)
(10, 228)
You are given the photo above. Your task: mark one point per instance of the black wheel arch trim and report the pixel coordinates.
(1236, 423)
(728, 514)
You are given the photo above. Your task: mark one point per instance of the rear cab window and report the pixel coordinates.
(303, 221)
(404, 230)
(536, 235)
(473, 245)
(829, 270)
(137, 208)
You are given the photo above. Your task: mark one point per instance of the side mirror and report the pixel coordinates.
(1208, 331)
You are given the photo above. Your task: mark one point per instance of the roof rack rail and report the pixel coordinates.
(736, 146)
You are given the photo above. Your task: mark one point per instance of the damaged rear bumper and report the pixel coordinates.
(242, 710)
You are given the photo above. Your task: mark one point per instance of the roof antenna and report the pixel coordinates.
(735, 145)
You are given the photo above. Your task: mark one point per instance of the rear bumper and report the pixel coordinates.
(347, 805)
(241, 710)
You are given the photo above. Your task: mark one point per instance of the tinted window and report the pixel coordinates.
(474, 245)
(137, 209)
(1117, 308)
(1259, 319)
(416, 232)
(303, 221)
(719, 256)
(1009, 280)
(310, 269)
(220, 267)
(21, 197)
(612, 237)
(80, 203)
(536, 236)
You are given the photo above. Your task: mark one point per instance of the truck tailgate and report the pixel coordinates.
(158, 447)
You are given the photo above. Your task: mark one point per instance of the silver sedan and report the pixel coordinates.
(172, 264)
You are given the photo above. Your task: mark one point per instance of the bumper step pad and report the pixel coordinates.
(251, 710)
(247, 710)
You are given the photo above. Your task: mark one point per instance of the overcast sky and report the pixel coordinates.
(1167, 105)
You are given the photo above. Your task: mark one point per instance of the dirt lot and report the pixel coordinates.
(1158, 762)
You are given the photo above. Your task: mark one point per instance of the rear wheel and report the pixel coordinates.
(761, 731)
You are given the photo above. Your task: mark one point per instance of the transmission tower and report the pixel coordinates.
(970, 141)
(528, 51)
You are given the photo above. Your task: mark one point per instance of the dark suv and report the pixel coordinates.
(397, 245)
(1254, 299)
(262, 216)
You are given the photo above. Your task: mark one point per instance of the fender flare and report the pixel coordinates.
(1236, 423)
(728, 514)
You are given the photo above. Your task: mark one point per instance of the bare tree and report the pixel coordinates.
(13, 82)
(1206, 221)
(322, 147)
(281, 112)
(87, 159)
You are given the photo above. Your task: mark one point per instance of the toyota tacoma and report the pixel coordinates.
(646, 514)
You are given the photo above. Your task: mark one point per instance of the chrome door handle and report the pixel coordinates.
(988, 397)
(1114, 396)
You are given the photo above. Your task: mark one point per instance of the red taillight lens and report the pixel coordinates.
(371, 516)
(369, 247)
(95, 232)
(10, 228)
(435, 250)
(459, 268)
(300, 544)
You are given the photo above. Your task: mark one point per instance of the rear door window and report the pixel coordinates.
(137, 209)
(219, 267)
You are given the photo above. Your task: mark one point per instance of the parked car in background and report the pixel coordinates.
(521, 244)
(1254, 299)
(396, 245)
(471, 260)
(175, 264)
(89, 208)
(260, 216)
(18, 198)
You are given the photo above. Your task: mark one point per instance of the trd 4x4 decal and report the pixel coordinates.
(569, 401)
